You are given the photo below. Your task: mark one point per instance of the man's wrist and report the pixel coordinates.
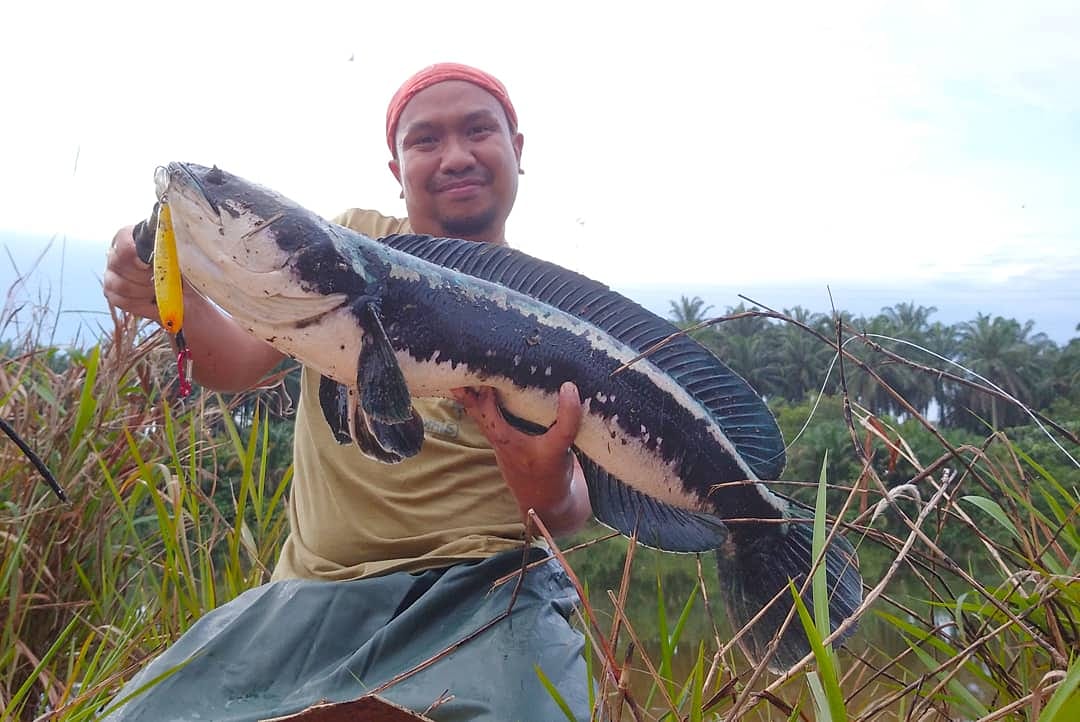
(558, 505)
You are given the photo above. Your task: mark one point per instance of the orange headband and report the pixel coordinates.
(438, 73)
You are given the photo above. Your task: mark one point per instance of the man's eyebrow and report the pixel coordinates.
(418, 125)
(484, 114)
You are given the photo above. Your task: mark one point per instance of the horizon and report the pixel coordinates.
(1052, 305)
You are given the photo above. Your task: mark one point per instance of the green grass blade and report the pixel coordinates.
(820, 582)
(19, 699)
(1064, 705)
(664, 668)
(972, 706)
(995, 511)
(697, 691)
(918, 633)
(684, 617)
(87, 400)
(149, 685)
(821, 700)
(826, 666)
(555, 695)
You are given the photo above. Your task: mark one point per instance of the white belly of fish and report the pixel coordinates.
(602, 440)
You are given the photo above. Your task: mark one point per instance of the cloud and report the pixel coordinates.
(697, 142)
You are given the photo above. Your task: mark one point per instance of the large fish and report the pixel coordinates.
(673, 447)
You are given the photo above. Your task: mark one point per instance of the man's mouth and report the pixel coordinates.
(459, 187)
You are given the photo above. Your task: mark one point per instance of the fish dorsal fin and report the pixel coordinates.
(739, 411)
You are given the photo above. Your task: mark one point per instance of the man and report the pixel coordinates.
(413, 547)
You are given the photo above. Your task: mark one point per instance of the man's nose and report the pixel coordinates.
(457, 157)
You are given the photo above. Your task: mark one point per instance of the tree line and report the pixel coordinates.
(783, 359)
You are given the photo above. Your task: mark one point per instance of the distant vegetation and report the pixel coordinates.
(963, 502)
(788, 360)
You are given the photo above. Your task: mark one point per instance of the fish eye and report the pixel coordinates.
(216, 176)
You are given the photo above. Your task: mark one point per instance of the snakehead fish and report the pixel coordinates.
(674, 447)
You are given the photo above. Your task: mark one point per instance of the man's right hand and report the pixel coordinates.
(225, 357)
(128, 282)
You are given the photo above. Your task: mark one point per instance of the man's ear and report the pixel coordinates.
(395, 168)
(519, 144)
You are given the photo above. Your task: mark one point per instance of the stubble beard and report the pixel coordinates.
(473, 226)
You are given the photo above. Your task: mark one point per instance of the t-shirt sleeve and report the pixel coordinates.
(371, 223)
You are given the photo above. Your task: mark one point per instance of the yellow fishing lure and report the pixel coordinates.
(169, 292)
(168, 287)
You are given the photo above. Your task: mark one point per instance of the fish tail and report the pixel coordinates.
(757, 564)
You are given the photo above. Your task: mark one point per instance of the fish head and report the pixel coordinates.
(225, 215)
(236, 243)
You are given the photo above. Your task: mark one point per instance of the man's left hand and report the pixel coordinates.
(540, 469)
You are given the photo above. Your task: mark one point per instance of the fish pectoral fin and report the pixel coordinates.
(334, 400)
(384, 395)
(618, 505)
(391, 443)
(386, 443)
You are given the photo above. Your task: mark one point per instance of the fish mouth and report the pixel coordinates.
(180, 178)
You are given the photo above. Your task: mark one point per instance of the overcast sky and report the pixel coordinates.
(788, 141)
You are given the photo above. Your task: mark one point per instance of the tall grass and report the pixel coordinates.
(988, 629)
(993, 636)
(93, 588)
(176, 508)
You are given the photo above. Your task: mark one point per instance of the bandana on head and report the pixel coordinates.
(438, 73)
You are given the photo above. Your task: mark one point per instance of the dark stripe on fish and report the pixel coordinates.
(736, 407)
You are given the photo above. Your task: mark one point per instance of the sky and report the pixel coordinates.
(673, 143)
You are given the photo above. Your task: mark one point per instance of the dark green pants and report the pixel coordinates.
(284, 646)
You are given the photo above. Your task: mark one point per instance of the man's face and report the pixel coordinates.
(457, 162)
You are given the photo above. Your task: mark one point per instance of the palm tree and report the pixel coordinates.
(690, 312)
(908, 323)
(745, 345)
(751, 357)
(1005, 352)
(861, 386)
(944, 340)
(801, 358)
(1067, 371)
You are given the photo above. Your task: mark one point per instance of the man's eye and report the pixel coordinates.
(423, 141)
(480, 129)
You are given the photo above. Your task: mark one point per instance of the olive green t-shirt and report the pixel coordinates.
(351, 517)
